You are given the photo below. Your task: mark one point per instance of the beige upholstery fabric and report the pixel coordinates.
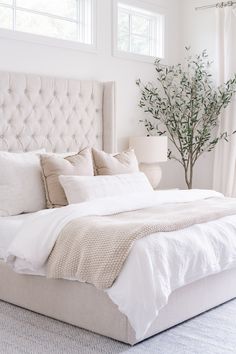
(55, 113)
(53, 166)
(85, 306)
(93, 249)
(109, 118)
(107, 164)
(69, 301)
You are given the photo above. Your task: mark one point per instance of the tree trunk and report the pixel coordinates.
(189, 177)
(190, 184)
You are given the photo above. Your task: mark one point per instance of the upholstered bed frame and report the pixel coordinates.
(67, 115)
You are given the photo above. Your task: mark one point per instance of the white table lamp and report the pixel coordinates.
(149, 151)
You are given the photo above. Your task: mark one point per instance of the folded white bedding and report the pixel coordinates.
(156, 266)
(9, 226)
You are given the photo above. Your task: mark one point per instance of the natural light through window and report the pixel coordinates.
(63, 19)
(140, 31)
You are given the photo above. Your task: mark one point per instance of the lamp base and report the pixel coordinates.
(153, 173)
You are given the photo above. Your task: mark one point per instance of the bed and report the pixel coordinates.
(24, 107)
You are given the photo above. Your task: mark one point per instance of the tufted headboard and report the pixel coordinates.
(54, 113)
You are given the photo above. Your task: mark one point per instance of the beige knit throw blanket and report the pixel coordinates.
(93, 249)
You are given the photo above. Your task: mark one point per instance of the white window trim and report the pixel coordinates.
(52, 41)
(148, 6)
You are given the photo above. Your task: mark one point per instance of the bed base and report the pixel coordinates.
(85, 306)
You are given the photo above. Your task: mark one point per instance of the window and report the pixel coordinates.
(62, 19)
(139, 31)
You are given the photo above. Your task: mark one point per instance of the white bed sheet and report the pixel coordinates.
(157, 264)
(9, 227)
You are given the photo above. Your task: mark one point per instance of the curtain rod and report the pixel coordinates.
(219, 4)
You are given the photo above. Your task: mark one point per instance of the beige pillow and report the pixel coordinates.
(53, 166)
(107, 164)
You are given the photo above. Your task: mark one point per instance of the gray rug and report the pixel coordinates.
(22, 331)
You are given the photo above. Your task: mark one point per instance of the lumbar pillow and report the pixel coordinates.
(80, 189)
(53, 166)
(108, 164)
(21, 184)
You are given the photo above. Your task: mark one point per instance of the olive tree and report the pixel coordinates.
(184, 103)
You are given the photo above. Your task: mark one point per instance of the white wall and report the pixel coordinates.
(34, 58)
(199, 27)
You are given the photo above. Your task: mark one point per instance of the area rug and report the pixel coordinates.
(22, 331)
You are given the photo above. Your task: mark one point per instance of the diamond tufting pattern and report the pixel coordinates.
(45, 112)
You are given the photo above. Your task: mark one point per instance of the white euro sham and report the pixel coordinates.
(79, 189)
(21, 184)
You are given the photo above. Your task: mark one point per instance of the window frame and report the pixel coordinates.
(149, 7)
(13, 34)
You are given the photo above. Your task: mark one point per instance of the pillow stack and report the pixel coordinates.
(32, 181)
(115, 175)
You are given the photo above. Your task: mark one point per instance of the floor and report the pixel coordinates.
(22, 331)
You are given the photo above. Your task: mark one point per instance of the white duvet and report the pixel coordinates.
(157, 264)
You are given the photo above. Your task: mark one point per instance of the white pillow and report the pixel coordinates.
(83, 188)
(21, 184)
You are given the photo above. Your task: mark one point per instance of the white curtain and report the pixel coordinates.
(224, 174)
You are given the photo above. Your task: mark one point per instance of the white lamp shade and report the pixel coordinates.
(149, 149)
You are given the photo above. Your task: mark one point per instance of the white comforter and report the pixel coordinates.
(157, 264)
